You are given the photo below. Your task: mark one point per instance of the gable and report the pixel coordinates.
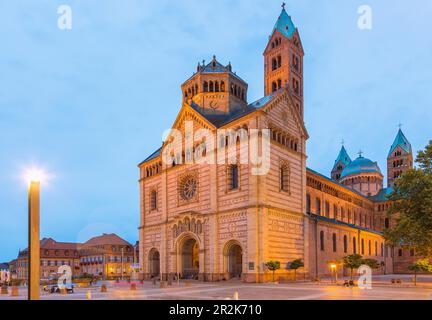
(282, 113)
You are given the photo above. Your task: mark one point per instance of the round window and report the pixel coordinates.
(188, 188)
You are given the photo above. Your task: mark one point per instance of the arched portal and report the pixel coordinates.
(154, 263)
(233, 256)
(189, 258)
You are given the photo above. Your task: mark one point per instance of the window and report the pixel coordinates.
(279, 61)
(205, 86)
(362, 246)
(334, 242)
(382, 250)
(327, 209)
(318, 206)
(400, 253)
(412, 253)
(335, 212)
(345, 241)
(233, 181)
(370, 248)
(387, 223)
(322, 240)
(284, 177)
(274, 86)
(308, 203)
(153, 200)
(342, 214)
(354, 245)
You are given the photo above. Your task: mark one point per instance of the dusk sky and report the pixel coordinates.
(88, 104)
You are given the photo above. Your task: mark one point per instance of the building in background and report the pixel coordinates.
(53, 254)
(105, 256)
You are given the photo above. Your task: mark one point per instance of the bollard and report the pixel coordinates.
(89, 295)
(4, 289)
(63, 291)
(236, 295)
(15, 291)
(133, 287)
(104, 288)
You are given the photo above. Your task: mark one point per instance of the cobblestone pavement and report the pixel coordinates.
(382, 290)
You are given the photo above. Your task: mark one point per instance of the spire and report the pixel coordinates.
(400, 141)
(284, 24)
(343, 157)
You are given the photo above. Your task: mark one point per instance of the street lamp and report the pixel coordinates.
(34, 178)
(333, 267)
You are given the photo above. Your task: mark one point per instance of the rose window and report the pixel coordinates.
(188, 188)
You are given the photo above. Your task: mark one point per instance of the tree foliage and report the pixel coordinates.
(411, 207)
(294, 265)
(273, 266)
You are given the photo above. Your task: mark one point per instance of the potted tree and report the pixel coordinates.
(273, 266)
(351, 262)
(294, 265)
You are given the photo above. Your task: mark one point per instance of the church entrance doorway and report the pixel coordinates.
(154, 263)
(189, 257)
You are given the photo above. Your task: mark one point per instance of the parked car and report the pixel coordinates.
(55, 288)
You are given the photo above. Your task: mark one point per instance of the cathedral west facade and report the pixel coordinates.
(215, 220)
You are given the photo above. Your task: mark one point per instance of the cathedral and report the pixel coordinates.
(218, 220)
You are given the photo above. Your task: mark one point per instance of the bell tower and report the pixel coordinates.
(399, 159)
(283, 60)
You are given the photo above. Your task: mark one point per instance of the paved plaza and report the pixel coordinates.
(382, 290)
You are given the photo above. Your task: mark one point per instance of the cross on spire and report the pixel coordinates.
(283, 5)
(343, 142)
(360, 153)
(400, 125)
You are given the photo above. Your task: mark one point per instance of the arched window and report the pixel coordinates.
(274, 64)
(354, 245)
(216, 86)
(382, 250)
(222, 86)
(274, 86)
(205, 86)
(233, 177)
(370, 247)
(386, 223)
(153, 200)
(279, 83)
(279, 61)
(345, 241)
(362, 247)
(284, 177)
(327, 209)
(322, 240)
(342, 214)
(318, 206)
(335, 212)
(308, 203)
(211, 86)
(334, 242)
(376, 248)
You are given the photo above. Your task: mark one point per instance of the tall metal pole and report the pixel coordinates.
(33, 240)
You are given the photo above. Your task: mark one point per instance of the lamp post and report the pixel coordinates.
(33, 239)
(333, 267)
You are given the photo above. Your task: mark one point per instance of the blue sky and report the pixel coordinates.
(88, 104)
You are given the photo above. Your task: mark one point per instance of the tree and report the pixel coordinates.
(411, 207)
(294, 265)
(422, 265)
(353, 261)
(372, 263)
(273, 266)
(424, 158)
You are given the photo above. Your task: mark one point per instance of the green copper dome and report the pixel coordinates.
(360, 165)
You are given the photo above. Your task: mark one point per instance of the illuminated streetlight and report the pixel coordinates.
(333, 267)
(34, 178)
